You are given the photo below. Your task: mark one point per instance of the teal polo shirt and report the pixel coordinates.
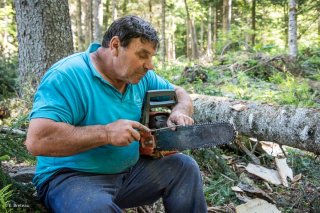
(72, 91)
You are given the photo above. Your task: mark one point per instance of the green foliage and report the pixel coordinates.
(310, 63)
(218, 191)
(301, 162)
(5, 197)
(8, 76)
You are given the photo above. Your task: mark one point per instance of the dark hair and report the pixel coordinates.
(129, 27)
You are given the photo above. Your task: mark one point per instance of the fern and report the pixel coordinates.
(5, 197)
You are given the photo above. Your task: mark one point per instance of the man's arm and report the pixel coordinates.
(182, 112)
(49, 138)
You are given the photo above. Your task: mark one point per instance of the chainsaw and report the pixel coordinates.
(163, 140)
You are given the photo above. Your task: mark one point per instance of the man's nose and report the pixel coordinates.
(148, 65)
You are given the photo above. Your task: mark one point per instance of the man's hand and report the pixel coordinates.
(178, 118)
(123, 132)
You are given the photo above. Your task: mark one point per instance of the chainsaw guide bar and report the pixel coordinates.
(197, 136)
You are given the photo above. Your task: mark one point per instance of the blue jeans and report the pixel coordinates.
(175, 178)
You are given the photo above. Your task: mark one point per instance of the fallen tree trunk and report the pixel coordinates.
(286, 125)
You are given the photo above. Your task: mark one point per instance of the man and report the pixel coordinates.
(84, 129)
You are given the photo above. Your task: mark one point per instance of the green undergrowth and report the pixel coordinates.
(255, 79)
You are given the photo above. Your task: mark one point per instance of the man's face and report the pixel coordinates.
(134, 61)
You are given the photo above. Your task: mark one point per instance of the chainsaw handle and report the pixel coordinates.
(148, 104)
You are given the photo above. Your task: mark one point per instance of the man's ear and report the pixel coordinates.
(114, 45)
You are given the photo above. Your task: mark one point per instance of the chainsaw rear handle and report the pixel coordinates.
(149, 104)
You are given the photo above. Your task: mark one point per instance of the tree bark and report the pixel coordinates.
(150, 11)
(286, 125)
(106, 14)
(194, 46)
(285, 23)
(44, 35)
(97, 19)
(114, 10)
(209, 52)
(88, 22)
(163, 33)
(292, 29)
(227, 16)
(80, 39)
(253, 22)
(215, 26)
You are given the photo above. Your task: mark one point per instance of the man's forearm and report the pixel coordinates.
(184, 105)
(49, 138)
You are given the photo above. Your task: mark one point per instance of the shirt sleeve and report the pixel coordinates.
(57, 99)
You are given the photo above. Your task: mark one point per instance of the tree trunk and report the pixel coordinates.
(209, 43)
(88, 22)
(201, 36)
(319, 26)
(4, 40)
(44, 35)
(106, 15)
(171, 55)
(226, 24)
(286, 125)
(285, 23)
(188, 40)
(97, 19)
(114, 10)
(253, 22)
(80, 38)
(194, 46)
(150, 11)
(163, 33)
(215, 26)
(292, 36)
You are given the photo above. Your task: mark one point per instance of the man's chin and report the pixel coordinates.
(135, 81)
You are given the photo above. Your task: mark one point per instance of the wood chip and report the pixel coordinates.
(269, 175)
(297, 178)
(271, 148)
(243, 197)
(284, 170)
(254, 191)
(257, 205)
(236, 189)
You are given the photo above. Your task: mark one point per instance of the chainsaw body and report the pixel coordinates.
(155, 99)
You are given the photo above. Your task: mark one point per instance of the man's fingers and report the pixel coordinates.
(139, 126)
(136, 135)
(188, 121)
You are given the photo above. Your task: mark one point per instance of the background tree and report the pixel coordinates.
(293, 48)
(44, 35)
(97, 19)
(192, 30)
(163, 33)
